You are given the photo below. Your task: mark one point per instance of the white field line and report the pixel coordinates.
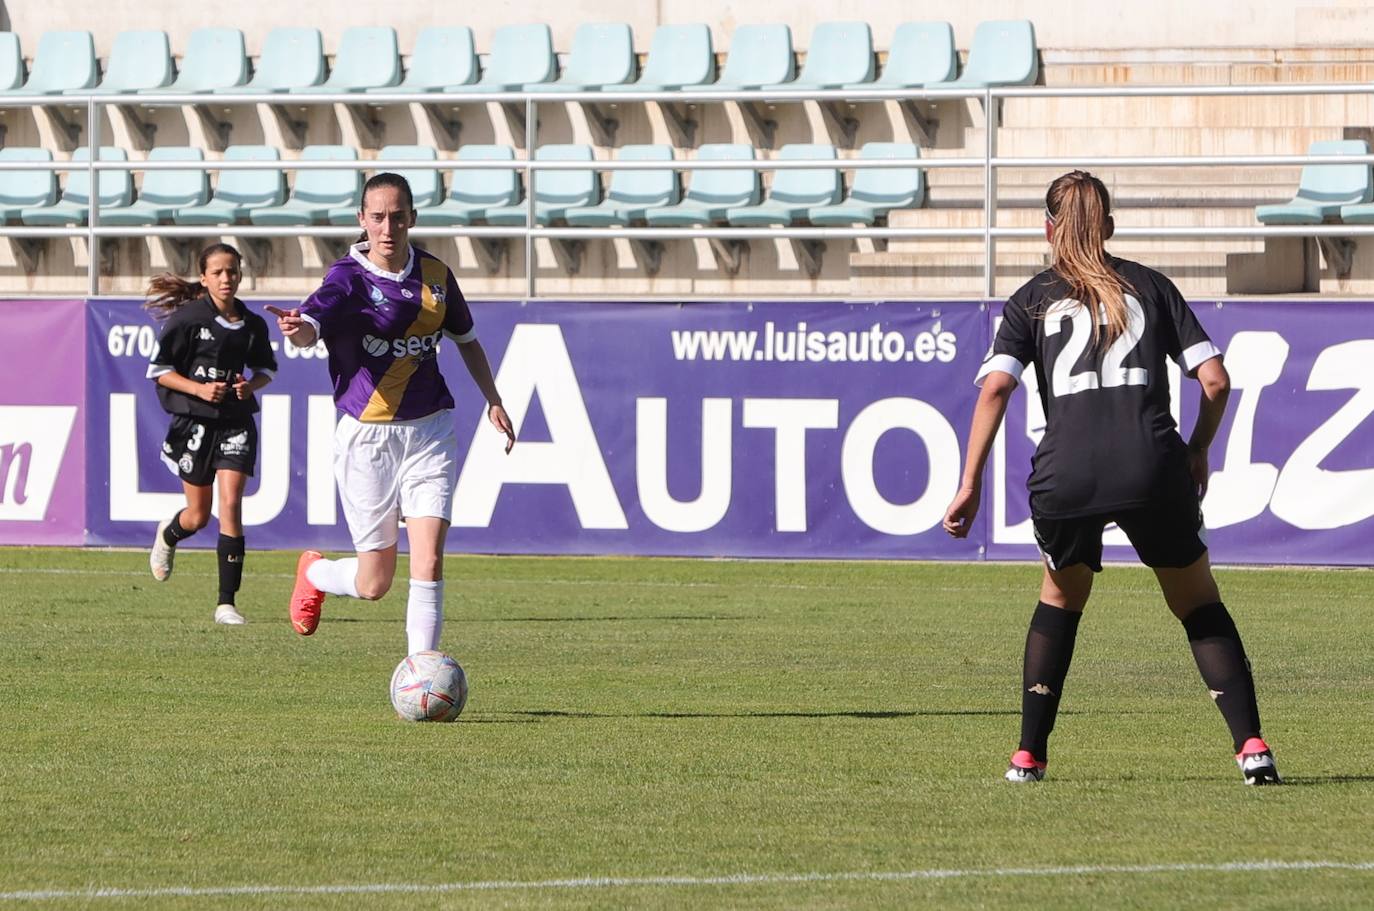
(736, 879)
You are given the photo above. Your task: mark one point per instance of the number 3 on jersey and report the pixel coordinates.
(1063, 381)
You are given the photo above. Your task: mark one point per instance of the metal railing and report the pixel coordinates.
(989, 162)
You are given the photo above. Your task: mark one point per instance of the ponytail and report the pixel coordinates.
(167, 292)
(1080, 209)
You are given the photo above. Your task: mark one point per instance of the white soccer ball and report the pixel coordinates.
(429, 686)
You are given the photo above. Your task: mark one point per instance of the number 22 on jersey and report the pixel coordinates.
(1063, 381)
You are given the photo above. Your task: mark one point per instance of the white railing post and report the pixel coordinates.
(531, 126)
(93, 200)
(990, 120)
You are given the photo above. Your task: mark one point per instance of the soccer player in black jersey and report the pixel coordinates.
(1097, 330)
(207, 343)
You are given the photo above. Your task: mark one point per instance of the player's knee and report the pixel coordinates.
(373, 589)
(192, 520)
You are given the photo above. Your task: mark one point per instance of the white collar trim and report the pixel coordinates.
(359, 253)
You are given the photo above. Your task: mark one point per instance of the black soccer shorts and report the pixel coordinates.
(1166, 534)
(196, 448)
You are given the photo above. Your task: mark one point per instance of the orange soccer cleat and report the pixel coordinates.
(306, 599)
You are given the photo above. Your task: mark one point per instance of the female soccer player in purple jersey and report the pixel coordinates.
(207, 342)
(382, 312)
(1097, 330)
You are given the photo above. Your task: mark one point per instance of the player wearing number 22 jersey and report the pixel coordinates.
(1110, 441)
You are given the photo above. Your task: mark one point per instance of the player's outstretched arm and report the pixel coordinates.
(475, 359)
(296, 330)
(987, 417)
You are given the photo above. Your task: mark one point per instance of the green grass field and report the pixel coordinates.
(669, 733)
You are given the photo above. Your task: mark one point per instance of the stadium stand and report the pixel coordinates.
(368, 58)
(472, 192)
(11, 62)
(1003, 53)
(554, 191)
(840, 54)
(238, 193)
(875, 192)
(602, 56)
(292, 59)
(316, 193)
(631, 193)
(164, 192)
(794, 191)
(426, 186)
(116, 189)
(216, 59)
(65, 61)
(521, 56)
(1325, 190)
(443, 56)
(760, 57)
(711, 193)
(680, 57)
(21, 190)
(140, 61)
(921, 55)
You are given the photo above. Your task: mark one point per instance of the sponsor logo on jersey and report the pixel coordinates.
(206, 335)
(410, 346)
(407, 293)
(439, 292)
(374, 346)
(234, 445)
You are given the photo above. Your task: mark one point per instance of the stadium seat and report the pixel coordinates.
(554, 191)
(11, 62)
(1003, 53)
(425, 184)
(840, 54)
(138, 61)
(443, 56)
(472, 192)
(164, 192)
(239, 192)
(680, 56)
(760, 55)
(631, 192)
(215, 60)
(602, 56)
(316, 192)
(20, 190)
(521, 56)
(116, 190)
(875, 191)
(1325, 190)
(368, 58)
(921, 54)
(291, 59)
(712, 193)
(794, 192)
(65, 61)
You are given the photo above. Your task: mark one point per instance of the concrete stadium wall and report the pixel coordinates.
(1066, 24)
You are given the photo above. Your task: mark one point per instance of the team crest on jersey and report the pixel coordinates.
(376, 294)
(186, 463)
(407, 293)
(438, 292)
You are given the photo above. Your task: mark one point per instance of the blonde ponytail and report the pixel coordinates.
(1078, 205)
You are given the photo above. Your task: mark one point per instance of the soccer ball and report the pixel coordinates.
(429, 686)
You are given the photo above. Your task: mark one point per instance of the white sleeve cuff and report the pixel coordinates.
(469, 336)
(1003, 363)
(157, 370)
(264, 371)
(312, 321)
(1194, 357)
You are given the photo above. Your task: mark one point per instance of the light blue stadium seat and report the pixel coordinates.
(425, 185)
(471, 193)
(442, 56)
(239, 192)
(521, 55)
(1002, 53)
(680, 56)
(921, 54)
(216, 59)
(875, 191)
(138, 61)
(710, 194)
(840, 54)
(794, 192)
(1325, 190)
(368, 58)
(760, 55)
(291, 59)
(631, 192)
(116, 190)
(316, 192)
(20, 190)
(65, 60)
(554, 191)
(602, 56)
(11, 62)
(164, 192)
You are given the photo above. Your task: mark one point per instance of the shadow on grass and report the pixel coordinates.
(542, 619)
(932, 713)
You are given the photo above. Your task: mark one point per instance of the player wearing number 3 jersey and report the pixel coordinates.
(1097, 331)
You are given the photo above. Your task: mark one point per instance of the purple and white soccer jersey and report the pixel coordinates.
(383, 329)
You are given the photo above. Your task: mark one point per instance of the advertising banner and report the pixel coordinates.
(42, 427)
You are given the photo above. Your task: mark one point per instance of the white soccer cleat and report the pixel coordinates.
(161, 556)
(1025, 768)
(1257, 763)
(229, 615)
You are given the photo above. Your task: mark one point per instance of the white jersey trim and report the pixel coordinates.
(1003, 363)
(231, 325)
(157, 370)
(1197, 355)
(312, 321)
(469, 336)
(358, 252)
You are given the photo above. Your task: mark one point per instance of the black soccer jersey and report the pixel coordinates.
(1110, 441)
(201, 345)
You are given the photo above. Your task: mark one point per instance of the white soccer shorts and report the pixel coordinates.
(389, 470)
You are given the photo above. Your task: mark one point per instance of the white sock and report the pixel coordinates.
(424, 615)
(336, 577)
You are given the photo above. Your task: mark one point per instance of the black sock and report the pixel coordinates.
(174, 533)
(1221, 659)
(1049, 649)
(230, 552)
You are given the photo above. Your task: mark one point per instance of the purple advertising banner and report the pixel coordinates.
(42, 428)
(1293, 462)
(765, 430)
